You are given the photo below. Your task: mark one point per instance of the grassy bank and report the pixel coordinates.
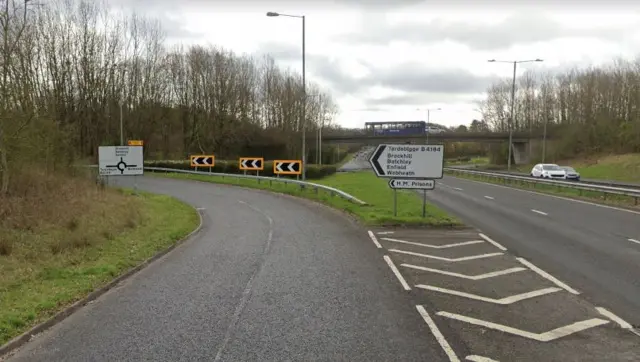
(363, 185)
(599, 197)
(58, 246)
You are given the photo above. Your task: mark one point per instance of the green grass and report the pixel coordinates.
(610, 199)
(53, 265)
(363, 185)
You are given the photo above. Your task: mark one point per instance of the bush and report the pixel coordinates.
(314, 172)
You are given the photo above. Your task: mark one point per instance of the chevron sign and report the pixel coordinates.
(251, 163)
(203, 161)
(287, 167)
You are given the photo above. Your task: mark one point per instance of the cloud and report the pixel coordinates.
(519, 28)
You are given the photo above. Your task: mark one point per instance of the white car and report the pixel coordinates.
(548, 170)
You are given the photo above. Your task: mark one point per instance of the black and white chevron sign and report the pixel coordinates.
(287, 167)
(202, 160)
(250, 163)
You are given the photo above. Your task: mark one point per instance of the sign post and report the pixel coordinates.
(413, 167)
(287, 167)
(121, 161)
(251, 164)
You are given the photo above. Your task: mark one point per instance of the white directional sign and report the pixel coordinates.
(120, 160)
(412, 184)
(408, 161)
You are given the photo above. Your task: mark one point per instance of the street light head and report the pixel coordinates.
(539, 60)
(272, 14)
(491, 60)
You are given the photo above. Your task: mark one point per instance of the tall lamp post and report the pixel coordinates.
(303, 122)
(513, 96)
(429, 118)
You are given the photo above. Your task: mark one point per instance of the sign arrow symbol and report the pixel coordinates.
(374, 160)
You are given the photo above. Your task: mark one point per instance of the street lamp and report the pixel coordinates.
(429, 118)
(304, 92)
(513, 96)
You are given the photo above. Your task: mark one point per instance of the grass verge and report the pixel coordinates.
(598, 197)
(93, 237)
(363, 185)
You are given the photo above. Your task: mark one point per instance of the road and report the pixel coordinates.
(269, 278)
(593, 247)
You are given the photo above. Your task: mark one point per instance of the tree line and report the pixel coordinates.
(72, 73)
(593, 109)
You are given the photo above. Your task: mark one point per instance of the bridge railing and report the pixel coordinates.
(581, 187)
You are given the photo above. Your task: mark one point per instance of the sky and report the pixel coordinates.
(392, 60)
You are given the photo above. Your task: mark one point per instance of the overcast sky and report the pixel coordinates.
(384, 60)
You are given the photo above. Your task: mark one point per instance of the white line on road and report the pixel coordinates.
(434, 246)
(465, 258)
(475, 358)
(489, 197)
(624, 324)
(539, 212)
(385, 232)
(374, 239)
(503, 301)
(548, 276)
(200, 208)
(470, 277)
(495, 243)
(395, 271)
(436, 333)
(457, 188)
(634, 241)
(540, 337)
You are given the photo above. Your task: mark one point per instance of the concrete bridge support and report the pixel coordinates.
(520, 153)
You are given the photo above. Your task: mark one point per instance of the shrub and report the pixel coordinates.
(314, 172)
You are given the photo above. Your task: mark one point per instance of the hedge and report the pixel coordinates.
(314, 172)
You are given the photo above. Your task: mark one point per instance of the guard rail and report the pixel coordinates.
(583, 181)
(507, 178)
(316, 187)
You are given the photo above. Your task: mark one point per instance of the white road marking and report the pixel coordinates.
(457, 188)
(447, 259)
(540, 337)
(489, 197)
(548, 276)
(470, 277)
(555, 197)
(200, 208)
(475, 358)
(495, 243)
(434, 246)
(395, 271)
(436, 333)
(374, 239)
(624, 324)
(539, 212)
(502, 301)
(385, 232)
(634, 241)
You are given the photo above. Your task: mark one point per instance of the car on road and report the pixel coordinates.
(548, 170)
(570, 173)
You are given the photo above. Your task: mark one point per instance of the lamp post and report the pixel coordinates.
(513, 96)
(429, 118)
(303, 122)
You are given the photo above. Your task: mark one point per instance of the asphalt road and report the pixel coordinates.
(593, 248)
(269, 278)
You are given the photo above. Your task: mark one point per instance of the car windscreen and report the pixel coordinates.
(569, 169)
(550, 168)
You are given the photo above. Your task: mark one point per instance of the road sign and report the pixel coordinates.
(120, 160)
(135, 143)
(251, 163)
(287, 167)
(408, 161)
(395, 183)
(203, 160)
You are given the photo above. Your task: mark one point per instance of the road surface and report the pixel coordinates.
(269, 278)
(595, 248)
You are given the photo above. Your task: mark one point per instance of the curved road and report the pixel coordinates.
(268, 278)
(595, 248)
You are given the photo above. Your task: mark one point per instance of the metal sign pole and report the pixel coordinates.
(395, 202)
(424, 204)
(135, 184)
